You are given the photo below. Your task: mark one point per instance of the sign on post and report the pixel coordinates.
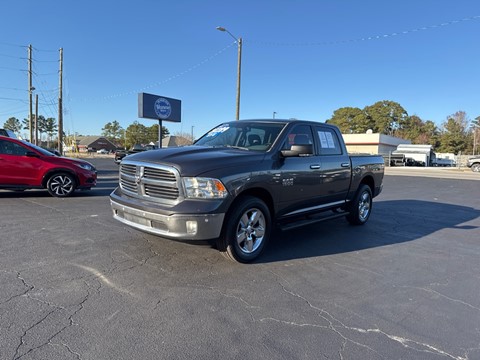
(159, 108)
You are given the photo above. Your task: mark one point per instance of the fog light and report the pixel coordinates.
(191, 227)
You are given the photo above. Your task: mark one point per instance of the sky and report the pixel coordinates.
(300, 59)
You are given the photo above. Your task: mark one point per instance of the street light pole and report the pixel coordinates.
(475, 127)
(239, 66)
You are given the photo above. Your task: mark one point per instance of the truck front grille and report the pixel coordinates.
(154, 182)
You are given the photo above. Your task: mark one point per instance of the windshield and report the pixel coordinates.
(257, 136)
(39, 149)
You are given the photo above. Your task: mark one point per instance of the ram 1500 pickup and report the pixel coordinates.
(244, 178)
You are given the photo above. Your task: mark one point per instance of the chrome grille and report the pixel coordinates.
(161, 191)
(128, 169)
(159, 174)
(128, 184)
(155, 182)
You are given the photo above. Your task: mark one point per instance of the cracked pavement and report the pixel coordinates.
(75, 284)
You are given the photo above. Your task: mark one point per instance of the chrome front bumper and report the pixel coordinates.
(176, 226)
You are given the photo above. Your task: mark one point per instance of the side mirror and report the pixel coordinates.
(298, 150)
(31, 154)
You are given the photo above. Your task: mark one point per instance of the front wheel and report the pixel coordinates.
(476, 167)
(247, 230)
(361, 206)
(61, 185)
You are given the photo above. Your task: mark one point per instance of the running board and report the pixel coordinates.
(304, 222)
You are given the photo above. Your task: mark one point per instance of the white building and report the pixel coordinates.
(418, 155)
(372, 143)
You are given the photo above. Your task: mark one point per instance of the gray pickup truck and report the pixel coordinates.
(474, 163)
(244, 178)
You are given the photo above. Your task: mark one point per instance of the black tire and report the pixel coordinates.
(61, 185)
(246, 231)
(476, 167)
(361, 206)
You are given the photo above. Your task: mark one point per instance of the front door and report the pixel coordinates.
(15, 167)
(299, 181)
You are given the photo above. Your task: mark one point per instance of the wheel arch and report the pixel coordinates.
(257, 192)
(369, 181)
(52, 172)
(232, 249)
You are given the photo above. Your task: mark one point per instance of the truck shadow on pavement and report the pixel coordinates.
(391, 222)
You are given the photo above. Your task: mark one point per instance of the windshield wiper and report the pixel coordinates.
(236, 147)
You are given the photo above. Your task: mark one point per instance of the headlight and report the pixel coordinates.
(204, 188)
(85, 166)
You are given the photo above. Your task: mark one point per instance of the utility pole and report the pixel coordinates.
(60, 108)
(239, 69)
(476, 126)
(36, 119)
(30, 88)
(160, 133)
(474, 139)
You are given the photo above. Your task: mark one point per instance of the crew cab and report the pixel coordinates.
(26, 166)
(244, 178)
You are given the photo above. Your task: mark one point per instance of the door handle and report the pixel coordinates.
(315, 166)
(345, 165)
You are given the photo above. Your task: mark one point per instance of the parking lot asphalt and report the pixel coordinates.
(76, 284)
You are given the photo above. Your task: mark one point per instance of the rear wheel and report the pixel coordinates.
(361, 206)
(246, 231)
(61, 185)
(476, 167)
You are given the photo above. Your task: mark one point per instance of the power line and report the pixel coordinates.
(45, 50)
(15, 89)
(13, 57)
(10, 113)
(374, 37)
(12, 99)
(13, 45)
(159, 83)
(8, 68)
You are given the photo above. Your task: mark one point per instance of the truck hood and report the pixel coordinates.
(196, 160)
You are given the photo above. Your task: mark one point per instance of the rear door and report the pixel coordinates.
(336, 166)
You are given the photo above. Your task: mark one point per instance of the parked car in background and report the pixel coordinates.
(120, 154)
(102, 151)
(26, 166)
(474, 163)
(53, 151)
(8, 133)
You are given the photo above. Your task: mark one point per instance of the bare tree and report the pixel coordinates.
(183, 138)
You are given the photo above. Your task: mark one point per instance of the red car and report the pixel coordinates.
(26, 166)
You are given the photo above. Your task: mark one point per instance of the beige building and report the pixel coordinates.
(173, 141)
(371, 143)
